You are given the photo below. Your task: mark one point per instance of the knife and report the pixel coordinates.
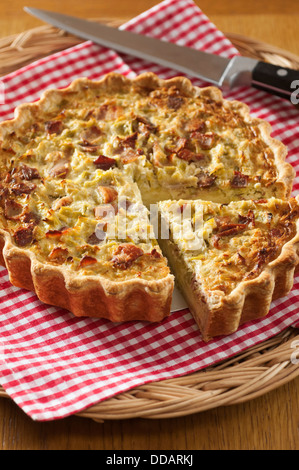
(217, 70)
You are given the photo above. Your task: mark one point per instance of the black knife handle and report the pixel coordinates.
(280, 81)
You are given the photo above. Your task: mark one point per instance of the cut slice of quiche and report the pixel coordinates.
(230, 260)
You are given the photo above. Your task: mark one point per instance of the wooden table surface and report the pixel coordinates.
(268, 422)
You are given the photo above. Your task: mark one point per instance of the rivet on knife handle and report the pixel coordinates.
(280, 81)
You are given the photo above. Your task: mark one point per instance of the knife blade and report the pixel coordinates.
(217, 70)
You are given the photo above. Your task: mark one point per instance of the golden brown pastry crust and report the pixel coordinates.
(252, 299)
(137, 299)
(94, 296)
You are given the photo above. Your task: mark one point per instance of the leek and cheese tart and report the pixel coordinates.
(81, 167)
(230, 260)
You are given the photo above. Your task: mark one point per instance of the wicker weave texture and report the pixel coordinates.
(20, 49)
(253, 373)
(248, 375)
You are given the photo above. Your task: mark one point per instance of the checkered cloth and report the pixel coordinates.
(52, 364)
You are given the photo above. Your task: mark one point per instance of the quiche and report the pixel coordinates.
(81, 169)
(230, 260)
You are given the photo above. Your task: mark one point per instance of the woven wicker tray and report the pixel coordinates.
(248, 375)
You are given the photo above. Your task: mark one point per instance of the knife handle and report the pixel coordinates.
(280, 81)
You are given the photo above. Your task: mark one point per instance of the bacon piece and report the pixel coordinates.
(143, 126)
(91, 134)
(174, 100)
(126, 148)
(58, 255)
(159, 157)
(227, 228)
(22, 187)
(247, 219)
(276, 232)
(239, 180)
(144, 130)
(128, 141)
(104, 163)
(28, 173)
(125, 255)
(87, 261)
(170, 97)
(182, 151)
(31, 218)
(108, 111)
(231, 229)
(24, 235)
(205, 180)
(54, 127)
(108, 193)
(101, 112)
(56, 233)
(155, 254)
(181, 144)
(93, 239)
(60, 169)
(226, 233)
(90, 148)
(129, 156)
(98, 236)
(223, 222)
(195, 125)
(206, 141)
(12, 209)
(61, 202)
(189, 156)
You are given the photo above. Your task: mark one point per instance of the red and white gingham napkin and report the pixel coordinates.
(52, 364)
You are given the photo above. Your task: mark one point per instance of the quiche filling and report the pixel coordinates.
(225, 244)
(98, 225)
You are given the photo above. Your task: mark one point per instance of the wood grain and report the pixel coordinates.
(274, 22)
(270, 422)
